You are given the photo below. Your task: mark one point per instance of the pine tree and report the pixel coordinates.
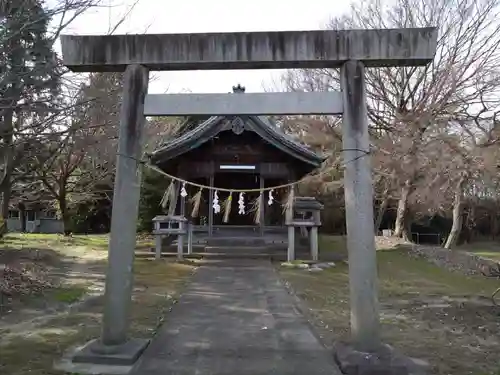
(29, 81)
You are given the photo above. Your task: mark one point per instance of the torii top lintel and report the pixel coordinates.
(250, 50)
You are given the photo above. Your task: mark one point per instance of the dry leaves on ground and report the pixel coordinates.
(23, 279)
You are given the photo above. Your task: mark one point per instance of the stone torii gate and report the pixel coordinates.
(136, 55)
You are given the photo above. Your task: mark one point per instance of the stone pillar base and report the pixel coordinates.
(386, 361)
(94, 352)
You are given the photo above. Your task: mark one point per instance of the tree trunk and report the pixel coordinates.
(8, 162)
(65, 215)
(22, 216)
(456, 227)
(402, 211)
(406, 234)
(381, 211)
(6, 193)
(493, 224)
(467, 225)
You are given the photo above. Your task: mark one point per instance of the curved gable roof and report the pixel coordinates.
(262, 126)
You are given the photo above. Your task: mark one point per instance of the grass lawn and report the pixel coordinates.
(67, 246)
(427, 312)
(37, 326)
(489, 250)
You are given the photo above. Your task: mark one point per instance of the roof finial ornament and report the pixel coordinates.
(239, 89)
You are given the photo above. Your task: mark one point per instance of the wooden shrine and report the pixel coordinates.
(235, 152)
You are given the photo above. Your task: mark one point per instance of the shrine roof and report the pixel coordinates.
(195, 132)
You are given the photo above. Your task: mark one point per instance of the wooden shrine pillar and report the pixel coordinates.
(210, 208)
(173, 205)
(262, 207)
(182, 210)
(179, 199)
(289, 214)
(291, 229)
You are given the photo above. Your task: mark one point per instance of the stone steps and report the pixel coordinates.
(273, 256)
(238, 250)
(236, 242)
(241, 247)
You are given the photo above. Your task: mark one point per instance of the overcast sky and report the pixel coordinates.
(191, 16)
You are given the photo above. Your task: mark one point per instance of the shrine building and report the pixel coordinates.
(235, 152)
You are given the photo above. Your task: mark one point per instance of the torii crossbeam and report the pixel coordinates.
(250, 50)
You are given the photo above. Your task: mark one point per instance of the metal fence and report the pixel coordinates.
(434, 238)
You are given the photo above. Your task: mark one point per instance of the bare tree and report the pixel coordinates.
(30, 80)
(70, 174)
(411, 108)
(473, 162)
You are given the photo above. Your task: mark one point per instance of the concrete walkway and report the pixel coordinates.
(235, 319)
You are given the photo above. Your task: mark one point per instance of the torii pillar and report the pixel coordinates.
(350, 50)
